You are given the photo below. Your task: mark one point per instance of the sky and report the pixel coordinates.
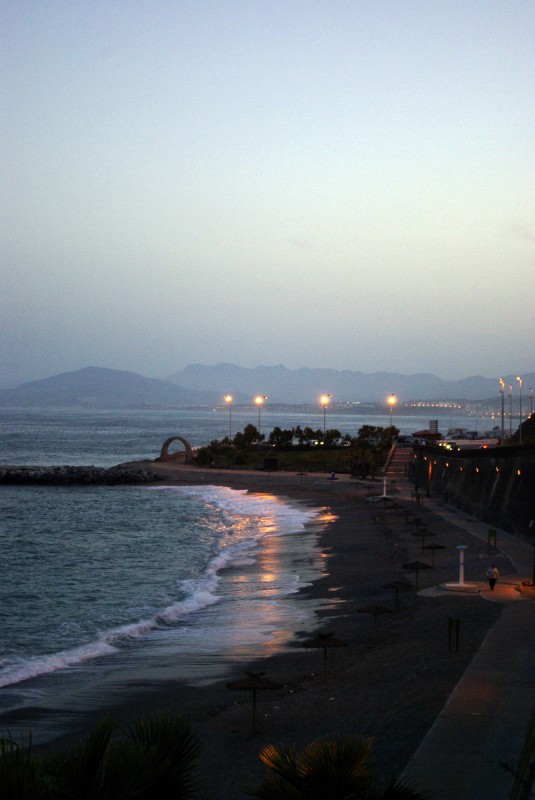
(317, 183)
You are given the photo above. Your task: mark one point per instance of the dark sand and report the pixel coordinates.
(390, 681)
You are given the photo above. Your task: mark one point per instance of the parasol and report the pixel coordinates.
(324, 641)
(423, 533)
(375, 610)
(433, 548)
(397, 585)
(416, 566)
(254, 682)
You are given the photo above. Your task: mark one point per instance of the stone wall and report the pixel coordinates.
(495, 485)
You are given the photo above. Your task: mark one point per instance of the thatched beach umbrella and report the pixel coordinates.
(423, 533)
(375, 610)
(302, 475)
(254, 682)
(418, 522)
(324, 641)
(433, 548)
(397, 586)
(416, 566)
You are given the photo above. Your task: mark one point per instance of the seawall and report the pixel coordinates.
(496, 485)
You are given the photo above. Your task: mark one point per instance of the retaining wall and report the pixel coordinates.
(495, 485)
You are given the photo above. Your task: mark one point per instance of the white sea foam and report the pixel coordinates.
(273, 515)
(250, 517)
(23, 670)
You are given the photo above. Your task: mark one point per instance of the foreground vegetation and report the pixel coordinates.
(157, 759)
(302, 449)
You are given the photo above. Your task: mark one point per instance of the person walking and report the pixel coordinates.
(492, 575)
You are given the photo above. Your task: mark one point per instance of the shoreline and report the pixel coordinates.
(390, 681)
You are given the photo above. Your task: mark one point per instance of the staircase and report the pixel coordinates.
(397, 466)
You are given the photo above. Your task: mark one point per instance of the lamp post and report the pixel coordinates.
(259, 400)
(531, 401)
(519, 379)
(392, 400)
(510, 385)
(325, 400)
(502, 392)
(228, 400)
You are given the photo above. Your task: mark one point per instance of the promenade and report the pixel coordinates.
(486, 731)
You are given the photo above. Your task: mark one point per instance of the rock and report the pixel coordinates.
(69, 475)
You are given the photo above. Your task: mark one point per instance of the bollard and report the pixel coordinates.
(492, 537)
(453, 630)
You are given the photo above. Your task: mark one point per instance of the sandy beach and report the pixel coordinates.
(397, 668)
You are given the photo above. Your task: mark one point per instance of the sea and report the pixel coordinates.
(104, 585)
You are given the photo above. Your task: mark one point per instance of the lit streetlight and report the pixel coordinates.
(519, 379)
(510, 386)
(531, 402)
(260, 400)
(502, 392)
(392, 400)
(228, 400)
(325, 399)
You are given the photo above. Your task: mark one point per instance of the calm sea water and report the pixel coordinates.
(98, 579)
(106, 438)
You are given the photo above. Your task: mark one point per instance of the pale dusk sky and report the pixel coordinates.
(314, 184)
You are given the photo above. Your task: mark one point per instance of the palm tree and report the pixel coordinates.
(156, 760)
(332, 767)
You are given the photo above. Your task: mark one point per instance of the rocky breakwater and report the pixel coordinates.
(70, 476)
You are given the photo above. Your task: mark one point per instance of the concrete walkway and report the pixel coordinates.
(489, 717)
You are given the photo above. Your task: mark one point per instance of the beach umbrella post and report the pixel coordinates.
(433, 548)
(301, 475)
(254, 682)
(324, 641)
(397, 586)
(423, 533)
(375, 610)
(417, 567)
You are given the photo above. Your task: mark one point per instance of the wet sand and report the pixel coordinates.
(397, 669)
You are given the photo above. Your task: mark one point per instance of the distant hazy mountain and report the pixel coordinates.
(96, 387)
(304, 385)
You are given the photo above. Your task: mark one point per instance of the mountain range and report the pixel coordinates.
(200, 385)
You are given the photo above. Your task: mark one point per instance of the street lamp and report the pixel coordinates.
(519, 379)
(259, 400)
(531, 402)
(392, 400)
(502, 392)
(510, 386)
(228, 399)
(325, 400)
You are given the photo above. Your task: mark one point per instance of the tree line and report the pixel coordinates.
(299, 445)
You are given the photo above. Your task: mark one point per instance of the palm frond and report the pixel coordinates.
(22, 773)
(79, 775)
(168, 750)
(333, 766)
(398, 790)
